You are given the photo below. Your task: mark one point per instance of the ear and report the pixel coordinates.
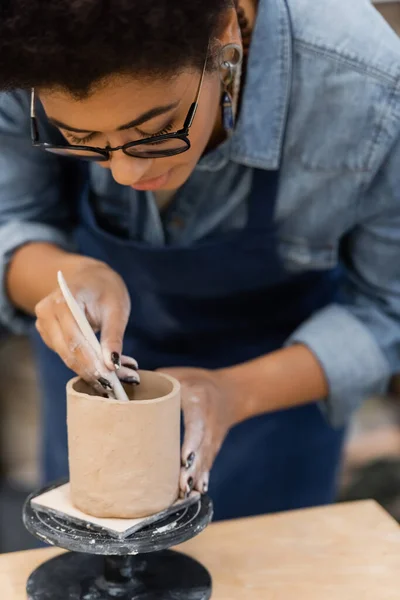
(230, 30)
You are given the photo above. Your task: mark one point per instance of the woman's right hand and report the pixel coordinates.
(104, 298)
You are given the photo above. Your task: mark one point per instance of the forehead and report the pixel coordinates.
(117, 100)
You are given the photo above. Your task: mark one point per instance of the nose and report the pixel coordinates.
(127, 170)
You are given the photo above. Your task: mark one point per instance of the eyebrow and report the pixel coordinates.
(147, 116)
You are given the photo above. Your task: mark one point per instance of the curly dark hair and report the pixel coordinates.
(74, 44)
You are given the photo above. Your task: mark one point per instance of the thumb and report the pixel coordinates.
(113, 324)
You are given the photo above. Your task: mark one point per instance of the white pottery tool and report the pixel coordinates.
(90, 336)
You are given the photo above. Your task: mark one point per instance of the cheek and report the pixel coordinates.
(207, 120)
(199, 137)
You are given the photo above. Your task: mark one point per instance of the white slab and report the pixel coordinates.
(58, 502)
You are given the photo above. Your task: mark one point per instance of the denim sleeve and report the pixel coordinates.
(357, 342)
(31, 205)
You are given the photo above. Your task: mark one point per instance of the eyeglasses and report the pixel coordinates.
(160, 146)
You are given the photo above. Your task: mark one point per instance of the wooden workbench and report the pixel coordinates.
(343, 552)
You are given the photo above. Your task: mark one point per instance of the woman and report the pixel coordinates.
(229, 214)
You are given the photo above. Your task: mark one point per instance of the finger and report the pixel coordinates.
(194, 439)
(197, 479)
(192, 412)
(202, 483)
(192, 448)
(202, 474)
(189, 487)
(194, 421)
(209, 450)
(188, 469)
(190, 461)
(50, 331)
(187, 482)
(46, 337)
(53, 336)
(78, 354)
(128, 361)
(128, 375)
(114, 318)
(116, 360)
(191, 456)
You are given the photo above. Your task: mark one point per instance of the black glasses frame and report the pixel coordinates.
(104, 154)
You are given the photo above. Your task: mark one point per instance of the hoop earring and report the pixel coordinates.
(231, 58)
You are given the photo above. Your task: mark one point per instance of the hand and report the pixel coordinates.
(211, 406)
(103, 296)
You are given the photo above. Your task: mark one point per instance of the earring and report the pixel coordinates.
(231, 58)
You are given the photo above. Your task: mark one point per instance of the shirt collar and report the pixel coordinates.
(258, 137)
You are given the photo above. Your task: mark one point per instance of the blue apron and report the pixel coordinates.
(217, 302)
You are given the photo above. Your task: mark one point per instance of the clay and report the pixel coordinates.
(124, 457)
(57, 501)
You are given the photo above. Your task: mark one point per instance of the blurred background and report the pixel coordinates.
(371, 466)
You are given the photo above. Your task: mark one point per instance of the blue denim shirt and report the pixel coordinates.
(322, 104)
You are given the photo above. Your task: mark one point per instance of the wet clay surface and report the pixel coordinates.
(125, 457)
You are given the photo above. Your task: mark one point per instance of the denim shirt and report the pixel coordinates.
(322, 104)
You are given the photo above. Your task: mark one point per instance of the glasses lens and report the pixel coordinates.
(82, 154)
(168, 147)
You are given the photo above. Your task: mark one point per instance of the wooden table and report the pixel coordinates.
(343, 552)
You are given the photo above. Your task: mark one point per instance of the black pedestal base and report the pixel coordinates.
(164, 575)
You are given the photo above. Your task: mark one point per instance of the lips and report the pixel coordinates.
(151, 184)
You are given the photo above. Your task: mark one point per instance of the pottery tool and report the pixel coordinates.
(137, 565)
(90, 336)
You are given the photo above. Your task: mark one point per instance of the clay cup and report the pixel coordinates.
(124, 457)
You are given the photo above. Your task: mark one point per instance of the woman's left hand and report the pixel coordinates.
(211, 406)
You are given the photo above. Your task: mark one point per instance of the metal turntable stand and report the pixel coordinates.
(102, 567)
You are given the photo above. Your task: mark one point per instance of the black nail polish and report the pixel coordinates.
(205, 488)
(190, 460)
(130, 380)
(189, 487)
(116, 359)
(104, 383)
(129, 366)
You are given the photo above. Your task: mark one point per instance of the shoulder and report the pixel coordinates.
(15, 118)
(348, 32)
(14, 106)
(344, 111)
